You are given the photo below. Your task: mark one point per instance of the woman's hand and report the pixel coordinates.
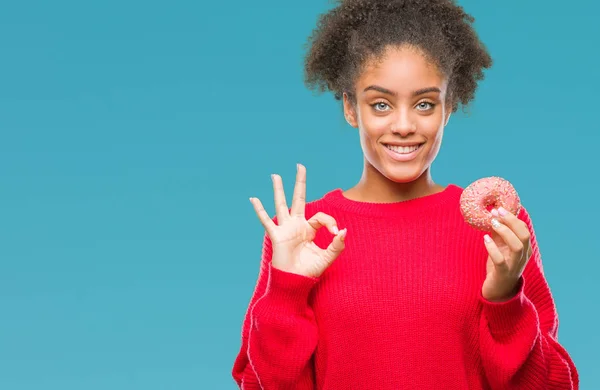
(509, 250)
(292, 237)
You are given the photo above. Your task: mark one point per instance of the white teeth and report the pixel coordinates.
(403, 149)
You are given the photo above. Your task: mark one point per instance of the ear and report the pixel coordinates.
(349, 111)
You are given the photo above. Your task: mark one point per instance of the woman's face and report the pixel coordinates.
(400, 111)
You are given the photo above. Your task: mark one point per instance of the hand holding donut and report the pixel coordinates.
(509, 250)
(292, 237)
(509, 247)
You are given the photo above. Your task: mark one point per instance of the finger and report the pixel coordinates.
(263, 216)
(299, 199)
(508, 236)
(515, 224)
(281, 208)
(336, 247)
(495, 254)
(320, 219)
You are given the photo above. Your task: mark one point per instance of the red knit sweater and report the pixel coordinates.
(401, 308)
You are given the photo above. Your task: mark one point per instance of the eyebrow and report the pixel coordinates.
(388, 92)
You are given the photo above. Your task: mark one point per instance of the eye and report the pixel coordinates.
(424, 106)
(380, 106)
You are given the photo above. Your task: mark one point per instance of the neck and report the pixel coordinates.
(374, 187)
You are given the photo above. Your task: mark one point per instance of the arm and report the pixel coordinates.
(279, 333)
(518, 338)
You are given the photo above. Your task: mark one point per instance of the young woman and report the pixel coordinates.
(384, 286)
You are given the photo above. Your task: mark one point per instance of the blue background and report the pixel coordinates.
(133, 132)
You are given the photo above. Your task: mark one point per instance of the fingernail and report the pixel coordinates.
(335, 230)
(487, 238)
(494, 212)
(495, 223)
(297, 167)
(343, 234)
(502, 211)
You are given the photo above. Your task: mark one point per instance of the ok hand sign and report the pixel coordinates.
(292, 237)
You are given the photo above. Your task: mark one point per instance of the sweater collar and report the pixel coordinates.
(450, 194)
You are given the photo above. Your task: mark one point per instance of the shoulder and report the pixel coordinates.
(524, 215)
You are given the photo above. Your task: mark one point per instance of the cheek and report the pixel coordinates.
(432, 126)
(373, 126)
(434, 134)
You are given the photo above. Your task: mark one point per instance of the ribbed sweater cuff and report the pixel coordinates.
(287, 288)
(506, 317)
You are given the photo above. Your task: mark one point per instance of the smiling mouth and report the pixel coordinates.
(403, 149)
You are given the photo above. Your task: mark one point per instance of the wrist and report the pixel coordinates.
(501, 298)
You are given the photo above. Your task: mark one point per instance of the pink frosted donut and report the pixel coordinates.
(481, 196)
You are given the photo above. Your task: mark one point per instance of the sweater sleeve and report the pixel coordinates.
(279, 333)
(519, 338)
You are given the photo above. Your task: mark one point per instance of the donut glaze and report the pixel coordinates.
(481, 196)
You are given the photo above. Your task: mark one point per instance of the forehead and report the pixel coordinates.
(403, 70)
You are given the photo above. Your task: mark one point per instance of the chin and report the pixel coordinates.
(400, 175)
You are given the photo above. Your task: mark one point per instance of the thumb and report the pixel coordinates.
(336, 247)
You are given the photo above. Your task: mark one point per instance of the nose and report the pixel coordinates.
(403, 124)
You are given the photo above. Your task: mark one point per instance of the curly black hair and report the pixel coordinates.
(357, 30)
